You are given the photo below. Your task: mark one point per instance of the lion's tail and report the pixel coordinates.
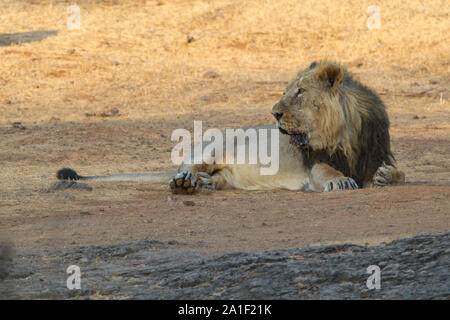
(163, 177)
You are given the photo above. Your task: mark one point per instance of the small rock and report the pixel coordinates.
(211, 75)
(205, 98)
(114, 112)
(190, 39)
(171, 198)
(69, 196)
(85, 260)
(85, 213)
(18, 125)
(189, 203)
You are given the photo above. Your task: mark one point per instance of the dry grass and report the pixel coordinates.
(135, 55)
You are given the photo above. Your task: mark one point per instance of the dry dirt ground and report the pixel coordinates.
(106, 98)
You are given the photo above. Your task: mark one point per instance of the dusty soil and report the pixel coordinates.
(106, 98)
(36, 217)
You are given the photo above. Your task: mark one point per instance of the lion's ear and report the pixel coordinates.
(330, 74)
(312, 65)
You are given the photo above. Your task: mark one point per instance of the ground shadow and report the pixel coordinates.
(7, 39)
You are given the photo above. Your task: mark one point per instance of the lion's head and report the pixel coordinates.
(325, 111)
(309, 110)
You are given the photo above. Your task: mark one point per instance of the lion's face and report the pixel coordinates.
(307, 111)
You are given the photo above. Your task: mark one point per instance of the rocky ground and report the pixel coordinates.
(414, 268)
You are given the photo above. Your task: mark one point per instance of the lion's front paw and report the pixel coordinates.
(388, 175)
(340, 183)
(383, 176)
(183, 183)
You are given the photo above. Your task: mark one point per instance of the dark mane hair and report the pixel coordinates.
(370, 144)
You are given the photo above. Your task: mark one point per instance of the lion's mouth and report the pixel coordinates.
(283, 131)
(300, 139)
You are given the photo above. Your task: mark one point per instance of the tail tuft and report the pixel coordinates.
(67, 174)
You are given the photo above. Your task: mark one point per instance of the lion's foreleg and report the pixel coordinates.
(324, 178)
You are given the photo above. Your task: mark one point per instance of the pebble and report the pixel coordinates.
(69, 196)
(189, 203)
(211, 75)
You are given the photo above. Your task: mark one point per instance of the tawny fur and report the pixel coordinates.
(334, 135)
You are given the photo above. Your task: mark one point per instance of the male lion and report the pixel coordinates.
(334, 136)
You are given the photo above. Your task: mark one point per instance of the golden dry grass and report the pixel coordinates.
(134, 55)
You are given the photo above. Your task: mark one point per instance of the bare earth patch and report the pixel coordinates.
(105, 99)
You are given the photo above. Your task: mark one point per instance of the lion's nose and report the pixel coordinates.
(277, 115)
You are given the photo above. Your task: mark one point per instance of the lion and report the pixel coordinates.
(333, 135)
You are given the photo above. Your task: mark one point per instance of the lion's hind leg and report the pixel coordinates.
(188, 183)
(388, 175)
(183, 183)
